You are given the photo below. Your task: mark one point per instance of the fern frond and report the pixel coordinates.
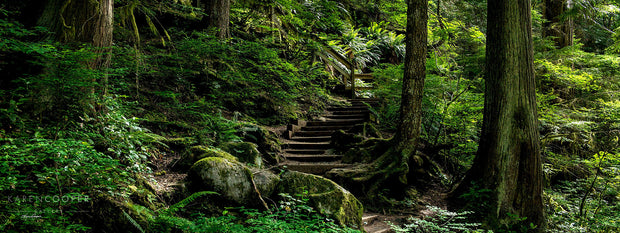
(133, 222)
(174, 208)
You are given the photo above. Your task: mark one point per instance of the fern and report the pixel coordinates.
(133, 222)
(174, 208)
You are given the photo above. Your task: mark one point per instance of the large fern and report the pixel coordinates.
(180, 205)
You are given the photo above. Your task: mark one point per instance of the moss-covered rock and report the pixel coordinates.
(181, 143)
(233, 180)
(268, 144)
(111, 215)
(196, 153)
(246, 152)
(326, 196)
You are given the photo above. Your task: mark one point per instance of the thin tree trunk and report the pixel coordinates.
(560, 29)
(414, 75)
(509, 159)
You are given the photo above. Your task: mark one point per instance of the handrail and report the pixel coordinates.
(349, 76)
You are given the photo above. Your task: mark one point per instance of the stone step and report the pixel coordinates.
(305, 151)
(313, 168)
(324, 128)
(309, 145)
(339, 122)
(312, 138)
(312, 158)
(315, 133)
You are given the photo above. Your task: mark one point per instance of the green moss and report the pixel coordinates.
(245, 152)
(196, 153)
(326, 196)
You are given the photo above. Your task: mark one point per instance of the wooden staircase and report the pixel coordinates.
(308, 146)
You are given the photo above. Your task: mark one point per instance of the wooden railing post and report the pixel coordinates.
(352, 77)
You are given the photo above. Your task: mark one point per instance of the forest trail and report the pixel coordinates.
(308, 148)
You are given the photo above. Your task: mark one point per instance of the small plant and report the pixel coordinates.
(439, 220)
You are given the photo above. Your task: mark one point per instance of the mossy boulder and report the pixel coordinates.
(233, 180)
(111, 215)
(326, 196)
(246, 152)
(196, 153)
(179, 144)
(267, 142)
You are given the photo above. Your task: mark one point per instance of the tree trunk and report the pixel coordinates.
(83, 21)
(218, 16)
(414, 75)
(508, 160)
(560, 29)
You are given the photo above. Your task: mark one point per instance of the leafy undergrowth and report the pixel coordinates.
(291, 214)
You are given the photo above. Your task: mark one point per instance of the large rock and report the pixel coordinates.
(196, 153)
(267, 142)
(246, 152)
(232, 180)
(326, 196)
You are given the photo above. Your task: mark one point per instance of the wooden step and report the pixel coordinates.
(352, 108)
(339, 122)
(325, 128)
(369, 218)
(375, 223)
(353, 116)
(309, 145)
(305, 151)
(312, 139)
(364, 100)
(313, 168)
(313, 158)
(350, 112)
(314, 133)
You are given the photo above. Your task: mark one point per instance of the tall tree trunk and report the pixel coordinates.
(414, 75)
(560, 29)
(509, 160)
(218, 16)
(83, 21)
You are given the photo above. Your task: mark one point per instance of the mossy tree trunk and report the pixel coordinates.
(558, 26)
(82, 21)
(218, 16)
(414, 75)
(509, 159)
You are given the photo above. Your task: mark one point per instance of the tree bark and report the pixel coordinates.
(83, 21)
(218, 16)
(414, 74)
(509, 160)
(560, 29)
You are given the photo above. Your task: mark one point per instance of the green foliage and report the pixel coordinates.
(440, 220)
(292, 214)
(48, 182)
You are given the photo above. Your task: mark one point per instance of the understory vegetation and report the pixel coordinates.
(76, 143)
